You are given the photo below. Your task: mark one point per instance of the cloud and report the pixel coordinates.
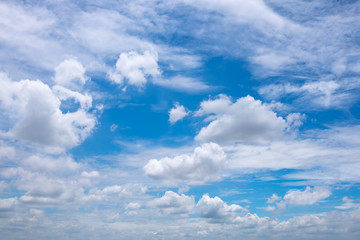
(348, 204)
(43, 163)
(325, 155)
(113, 127)
(135, 68)
(8, 204)
(132, 206)
(173, 203)
(92, 174)
(203, 165)
(115, 192)
(34, 110)
(182, 84)
(309, 196)
(64, 94)
(246, 120)
(273, 198)
(177, 113)
(216, 210)
(70, 73)
(323, 94)
(255, 12)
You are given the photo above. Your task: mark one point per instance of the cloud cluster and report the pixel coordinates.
(35, 111)
(203, 165)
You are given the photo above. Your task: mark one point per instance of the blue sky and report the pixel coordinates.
(179, 119)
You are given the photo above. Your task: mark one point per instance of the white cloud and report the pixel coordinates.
(115, 192)
(92, 174)
(113, 127)
(6, 151)
(64, 94)
(216, 210)
(323, 94)
(326, 155)
(203, 165)
(173, 203)
(35, 112)
(135, 68)
(132, 206)
(246, 120)
(253, 12)
(8, 204)
(182, 84)
(42, 163)
(309, 196)
(70, 73)
(348, 204)
(273, 198)
(177, 113)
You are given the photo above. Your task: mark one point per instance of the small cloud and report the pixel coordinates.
(182, 84)
(133, 206)
(70, 73)
(217, 210)
(135, 68)
(92, 174)
(113, 127)
(173, 203)
(273, 198)
(348, 204)
(177, 113)
(309, 196)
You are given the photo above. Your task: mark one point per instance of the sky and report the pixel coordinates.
(153, 119)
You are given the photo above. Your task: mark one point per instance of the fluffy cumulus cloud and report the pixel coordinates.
(295, 197)
(177, 113)
(216, 210)
(173, 203)
(70, 73)
(203, 165)
(135, 68)
(309, 196)
(34, 110)
(246, 120)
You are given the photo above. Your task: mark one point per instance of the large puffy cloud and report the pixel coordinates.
(203, 165)
(135, 68)
(246, 120)
(35, 112)
(216, 210)
(173, 203)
